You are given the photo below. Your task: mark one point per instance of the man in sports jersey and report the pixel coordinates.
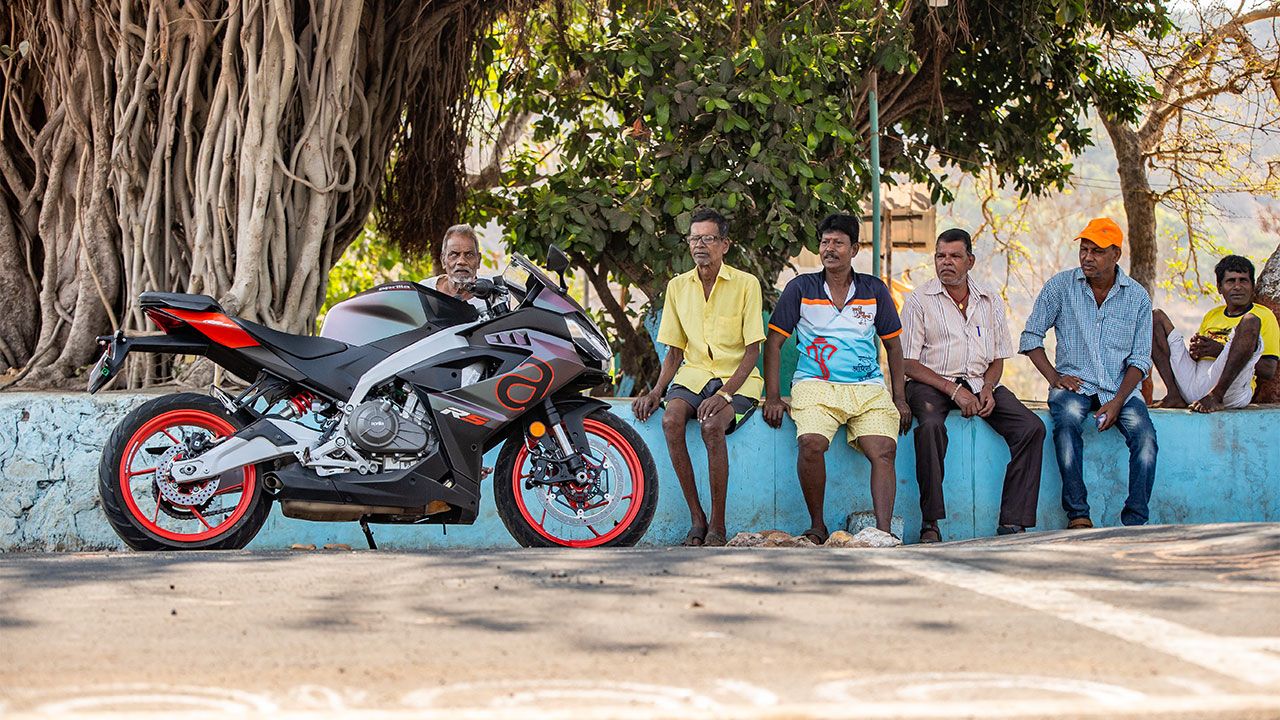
(1236, 342)
(836, 316)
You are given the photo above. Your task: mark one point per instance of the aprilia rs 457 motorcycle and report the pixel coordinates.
(383, 418)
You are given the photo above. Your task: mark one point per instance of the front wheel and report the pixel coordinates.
(148, 509)
(613, 508)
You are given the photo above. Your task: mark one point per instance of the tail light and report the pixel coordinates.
(164, 320)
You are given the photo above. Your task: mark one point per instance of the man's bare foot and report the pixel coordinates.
(1207, 404)
(1171, 402)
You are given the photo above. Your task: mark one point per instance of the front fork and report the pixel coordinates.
(564, 441)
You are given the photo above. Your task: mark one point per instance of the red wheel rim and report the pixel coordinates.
(614, 440)
(161, 429)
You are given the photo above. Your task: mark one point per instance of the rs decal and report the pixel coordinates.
(525, 385)
(465, 416)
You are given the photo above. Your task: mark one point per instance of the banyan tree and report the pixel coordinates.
(226, 147)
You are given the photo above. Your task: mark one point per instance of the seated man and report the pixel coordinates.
(460, 256)
(955, 343)
(1235, 343)
(712, 327)
(1102, 319)
(836, 315)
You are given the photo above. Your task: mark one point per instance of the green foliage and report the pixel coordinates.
(646, 111)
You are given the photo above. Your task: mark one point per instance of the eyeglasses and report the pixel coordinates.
(703, 240)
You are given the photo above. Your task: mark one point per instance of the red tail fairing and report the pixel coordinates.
(214, 325)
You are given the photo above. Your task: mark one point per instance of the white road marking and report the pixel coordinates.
(1184, 705)
(946, 687)
(1220, 654)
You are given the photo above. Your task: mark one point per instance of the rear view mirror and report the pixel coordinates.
(557, 261)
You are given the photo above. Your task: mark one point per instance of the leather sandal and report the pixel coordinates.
(929, 533)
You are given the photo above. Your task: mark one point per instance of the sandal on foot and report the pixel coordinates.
(697, 537)
(929, 533)
(1080, 523)
(1010, 530)
(817, 535)
(715, 539)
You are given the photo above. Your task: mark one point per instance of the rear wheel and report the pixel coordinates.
(148, 509)
(612, 508)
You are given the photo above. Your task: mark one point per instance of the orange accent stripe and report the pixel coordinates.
(891, 335)
(855, 301)
(777, 329)
(815, 301)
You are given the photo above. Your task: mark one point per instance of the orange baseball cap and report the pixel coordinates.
(1103, 232)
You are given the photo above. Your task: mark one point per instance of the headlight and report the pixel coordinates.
(589, 339)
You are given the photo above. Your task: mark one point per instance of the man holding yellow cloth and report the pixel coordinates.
(712, 327)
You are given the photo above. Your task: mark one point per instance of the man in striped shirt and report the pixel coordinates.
(1102, 320)
(955, 343)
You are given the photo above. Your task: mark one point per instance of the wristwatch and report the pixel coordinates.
(727, 397)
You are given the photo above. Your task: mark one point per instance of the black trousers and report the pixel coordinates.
(1020, 428)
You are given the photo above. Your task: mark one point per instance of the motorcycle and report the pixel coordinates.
(384, 417)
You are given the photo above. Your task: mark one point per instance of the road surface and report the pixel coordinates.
(1160, 622)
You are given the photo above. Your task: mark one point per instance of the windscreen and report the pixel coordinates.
(390, 310)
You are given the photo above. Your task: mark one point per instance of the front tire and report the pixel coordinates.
(615, 511)
(151, 512)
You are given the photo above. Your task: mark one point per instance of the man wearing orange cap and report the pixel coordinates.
(1102, 320)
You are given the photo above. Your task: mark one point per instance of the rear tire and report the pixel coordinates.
(133, 501)
(525, 511)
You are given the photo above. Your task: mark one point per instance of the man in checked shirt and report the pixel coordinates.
(1102, 319)
(955, 340)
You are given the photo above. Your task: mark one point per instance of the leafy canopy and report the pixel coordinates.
(644, 111)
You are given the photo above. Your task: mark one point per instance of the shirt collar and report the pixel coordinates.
(726, 273)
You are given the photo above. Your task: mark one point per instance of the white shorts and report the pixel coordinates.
(1197, 378)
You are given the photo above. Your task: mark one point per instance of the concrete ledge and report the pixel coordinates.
(1216, 468)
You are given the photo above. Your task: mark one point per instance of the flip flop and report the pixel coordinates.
(714, 539)
(817, 535)
(695, 538)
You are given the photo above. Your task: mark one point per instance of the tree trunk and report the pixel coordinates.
(636, 353)
(226, 147)
(1269, 294)
(1139, 202)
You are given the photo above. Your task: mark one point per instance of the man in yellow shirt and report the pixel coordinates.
(1235, 343)
(712, 327)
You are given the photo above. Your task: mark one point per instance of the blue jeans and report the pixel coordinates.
(1069, 410)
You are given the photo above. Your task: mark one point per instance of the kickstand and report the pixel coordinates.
(368, 534)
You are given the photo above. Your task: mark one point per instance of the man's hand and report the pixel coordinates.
(987, 396)
(1067, 382)
(644, 405)
(904, 412)
(711, 406)
(1207, 404)
(774, 409)
(1203, 346)
(968, 402)
(1112, 412)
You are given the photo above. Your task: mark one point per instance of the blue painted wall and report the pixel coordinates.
(1215, 468)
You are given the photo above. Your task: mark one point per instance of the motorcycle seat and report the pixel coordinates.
(305, 347)
(179, 301)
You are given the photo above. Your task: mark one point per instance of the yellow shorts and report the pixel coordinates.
(820, 408)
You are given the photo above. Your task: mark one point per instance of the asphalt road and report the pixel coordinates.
(1164, 621)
